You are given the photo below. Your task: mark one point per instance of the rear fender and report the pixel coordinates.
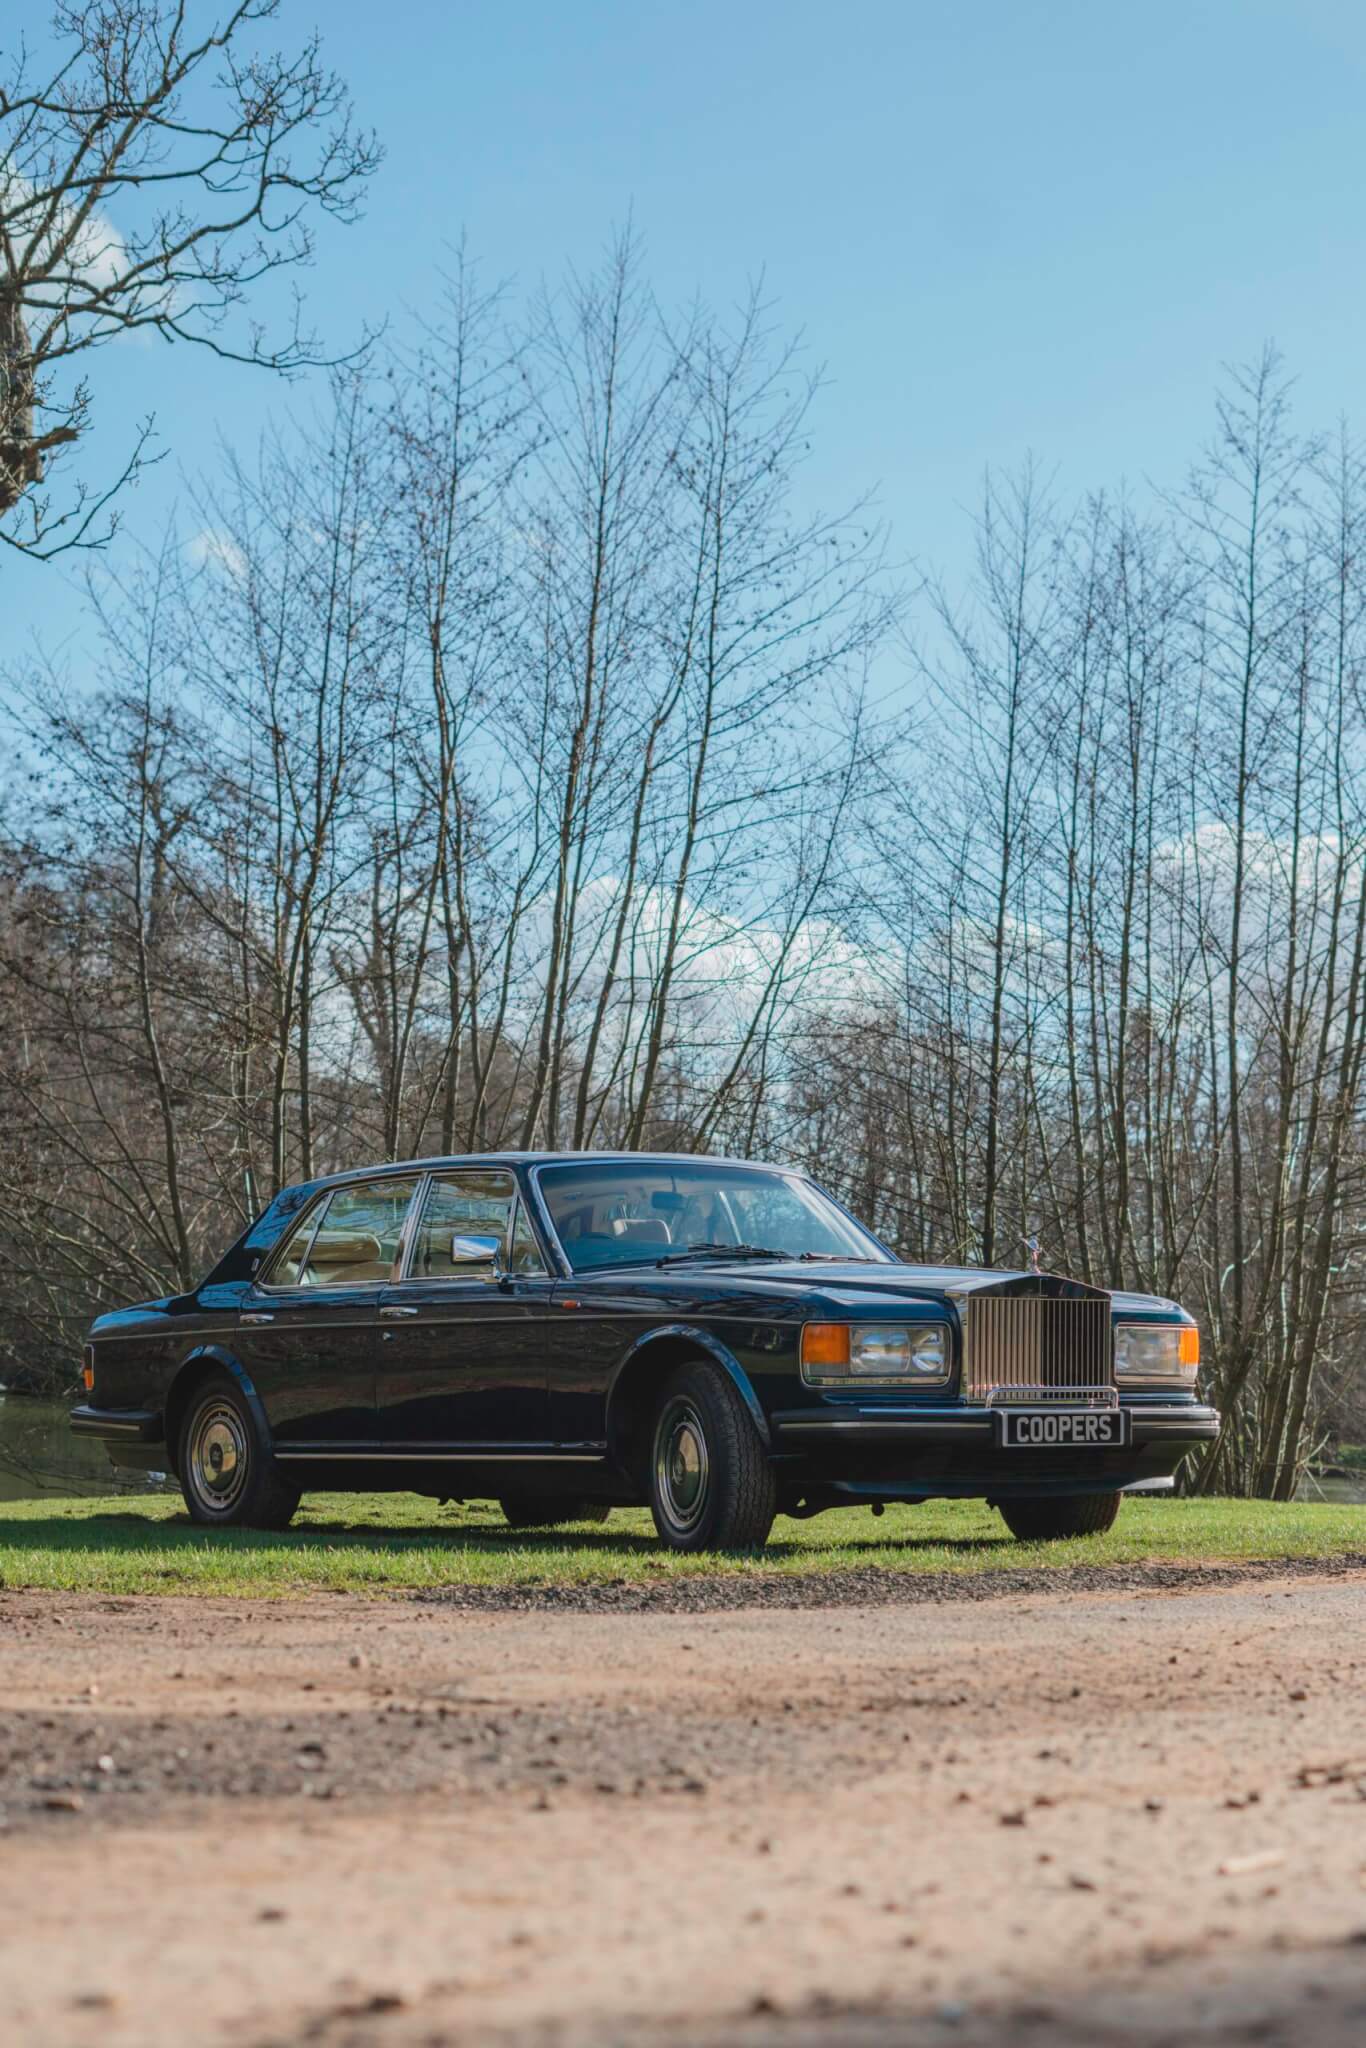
(203, 1360)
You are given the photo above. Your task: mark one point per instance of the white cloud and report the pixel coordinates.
(98, 255)
(217, 551)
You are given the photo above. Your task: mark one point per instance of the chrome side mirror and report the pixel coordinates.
(475, 1248)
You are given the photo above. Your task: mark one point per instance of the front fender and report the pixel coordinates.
(673, 1334)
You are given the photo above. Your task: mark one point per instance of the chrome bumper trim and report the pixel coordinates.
(141, 1425)
(1192, 1423)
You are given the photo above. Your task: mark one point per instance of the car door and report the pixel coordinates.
(307, 1333)
(463, 1345)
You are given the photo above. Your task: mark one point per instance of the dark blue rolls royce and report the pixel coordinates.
(566, 1333)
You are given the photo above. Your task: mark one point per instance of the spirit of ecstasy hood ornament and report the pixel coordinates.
(1031, 1245)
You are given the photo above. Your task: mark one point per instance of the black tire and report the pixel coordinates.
(710, 1481)
(227, 1474)
(1046, 1520)
(549, 1514)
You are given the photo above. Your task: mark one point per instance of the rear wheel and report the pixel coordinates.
(549, 1514)
(1045, 1520)
(227, 1474)
(711, 1484)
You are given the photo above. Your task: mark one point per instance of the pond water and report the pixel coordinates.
(1351, 1490)
(39, 1457)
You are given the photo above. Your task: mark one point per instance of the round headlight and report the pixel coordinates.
(882, 1352)
(930, 1351)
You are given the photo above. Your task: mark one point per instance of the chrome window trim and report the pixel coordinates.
(404, 1276)
(549, 1231)
(521, 1207)
(315, 1210)
(780, 1173)
(409, 1233)
(324, 1200)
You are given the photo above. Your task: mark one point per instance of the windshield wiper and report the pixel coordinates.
(764, 1251)
(722, 1251)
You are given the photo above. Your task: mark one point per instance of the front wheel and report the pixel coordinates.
(1045, 1519)
(227, 1474)
(711, 1484)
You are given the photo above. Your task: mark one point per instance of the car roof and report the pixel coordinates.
(441, 1161)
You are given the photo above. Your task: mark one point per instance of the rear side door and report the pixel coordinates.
(462, 1350)
(308, 1334)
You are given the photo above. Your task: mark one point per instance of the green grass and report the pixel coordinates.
(377, 1543)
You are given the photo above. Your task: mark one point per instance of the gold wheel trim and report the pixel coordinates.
(682, 1464)
(220, 1456)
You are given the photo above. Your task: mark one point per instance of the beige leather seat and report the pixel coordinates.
(342, 1258)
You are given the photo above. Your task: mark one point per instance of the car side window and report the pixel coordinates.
(358, 1237)
(289, 1262)
(524, 1254)
(458, 1205)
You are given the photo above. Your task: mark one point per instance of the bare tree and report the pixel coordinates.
(573, 801)
(158, 171)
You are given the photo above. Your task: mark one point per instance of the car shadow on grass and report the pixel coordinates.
(135, 1532)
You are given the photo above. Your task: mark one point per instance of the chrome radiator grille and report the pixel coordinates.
(1036, 1345)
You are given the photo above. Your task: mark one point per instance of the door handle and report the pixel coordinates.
(257, 1318)
(392, 1311)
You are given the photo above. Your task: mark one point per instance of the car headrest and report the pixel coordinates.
(641, 1229)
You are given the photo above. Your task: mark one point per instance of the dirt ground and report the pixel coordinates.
(1059, 1815)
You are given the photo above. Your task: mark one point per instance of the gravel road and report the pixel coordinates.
(1130, 1812)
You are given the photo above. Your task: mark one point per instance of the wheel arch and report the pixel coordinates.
(200, 1365)
(630, 1398)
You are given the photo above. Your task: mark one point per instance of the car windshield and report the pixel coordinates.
(629, 1212)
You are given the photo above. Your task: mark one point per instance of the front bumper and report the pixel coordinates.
(879, 1451)
(1184, 1421)
(117, 1425)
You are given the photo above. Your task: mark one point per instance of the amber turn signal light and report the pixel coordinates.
(1190, 1347)
(88, 1370)
(825, 1344)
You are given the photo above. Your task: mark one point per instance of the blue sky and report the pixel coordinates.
(1003, 225)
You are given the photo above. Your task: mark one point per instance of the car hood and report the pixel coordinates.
(857, 1281)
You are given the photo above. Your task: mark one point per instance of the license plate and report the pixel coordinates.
(1062, 1429)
